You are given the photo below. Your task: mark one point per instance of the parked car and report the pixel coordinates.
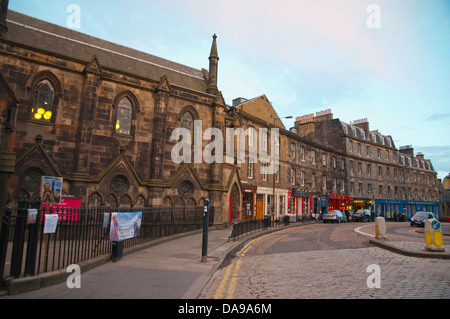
(419, 218)
(361, 215)
(334, 216)
(399, 217)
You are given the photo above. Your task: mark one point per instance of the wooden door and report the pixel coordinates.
(259, 206)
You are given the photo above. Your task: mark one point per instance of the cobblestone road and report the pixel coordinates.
(326, 273)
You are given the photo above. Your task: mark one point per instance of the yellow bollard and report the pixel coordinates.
(433, 235)
(380, 228)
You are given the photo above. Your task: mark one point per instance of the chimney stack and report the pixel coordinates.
(407, 149)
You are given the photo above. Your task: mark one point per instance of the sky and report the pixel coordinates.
(384, 60)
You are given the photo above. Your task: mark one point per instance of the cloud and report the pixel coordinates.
(438, 117)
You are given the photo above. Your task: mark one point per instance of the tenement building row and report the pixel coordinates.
(329, 164)
(100, 117)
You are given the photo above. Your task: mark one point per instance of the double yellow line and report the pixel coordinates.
(232, 272)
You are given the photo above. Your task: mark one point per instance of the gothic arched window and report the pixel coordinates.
(187, 122)
(124, 117)
(42, 108)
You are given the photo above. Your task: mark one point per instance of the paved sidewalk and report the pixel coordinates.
(171, 269)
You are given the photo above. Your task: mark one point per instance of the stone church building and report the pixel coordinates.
(100, 116)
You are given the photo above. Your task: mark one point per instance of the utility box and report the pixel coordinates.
(117, 250)
(267, 221)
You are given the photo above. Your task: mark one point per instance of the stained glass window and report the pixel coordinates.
(124, 116)
(188, 123)
(42, 108)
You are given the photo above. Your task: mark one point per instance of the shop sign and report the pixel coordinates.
(300, 192)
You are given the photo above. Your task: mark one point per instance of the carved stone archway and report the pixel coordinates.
(235, 203)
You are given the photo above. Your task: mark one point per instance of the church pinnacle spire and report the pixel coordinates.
(213, 53)
(213, 66)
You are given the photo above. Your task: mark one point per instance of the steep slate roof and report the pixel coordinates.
(261, 108)
(49, 37)
(373, 136)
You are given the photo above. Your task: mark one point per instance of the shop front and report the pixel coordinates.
(389, 208)
(338, 202)
(266, 206)
(249, 202)
(300, 202)
(360, 203)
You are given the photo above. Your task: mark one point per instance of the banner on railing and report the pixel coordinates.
(125, 225)
(67, 208)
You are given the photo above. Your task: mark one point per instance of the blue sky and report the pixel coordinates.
(305, 56)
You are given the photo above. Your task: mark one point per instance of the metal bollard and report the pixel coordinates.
(433, 235)
(380, 228)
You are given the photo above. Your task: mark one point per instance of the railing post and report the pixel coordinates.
(33, 237)
(205, 230)
(4, 234)
(19, 238)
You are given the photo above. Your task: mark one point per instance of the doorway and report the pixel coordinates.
(235, 203)
(259, 206)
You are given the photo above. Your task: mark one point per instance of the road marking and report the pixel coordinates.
(233, 280)
(363, 233)
(223, 283)
(234, 269)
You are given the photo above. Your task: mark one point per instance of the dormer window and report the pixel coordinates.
(363, 134)
(345, 129)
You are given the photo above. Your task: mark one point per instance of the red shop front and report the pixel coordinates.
(338, 202)
(300, 201)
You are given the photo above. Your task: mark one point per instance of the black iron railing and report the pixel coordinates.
(241, 228)
(81, 234)
(238, 229)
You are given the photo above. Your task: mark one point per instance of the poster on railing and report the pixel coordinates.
(32, 214)
(68, 208)
(51, 189)
(51, 220)
(125, 225)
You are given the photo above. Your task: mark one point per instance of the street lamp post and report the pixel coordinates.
(273, 182)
